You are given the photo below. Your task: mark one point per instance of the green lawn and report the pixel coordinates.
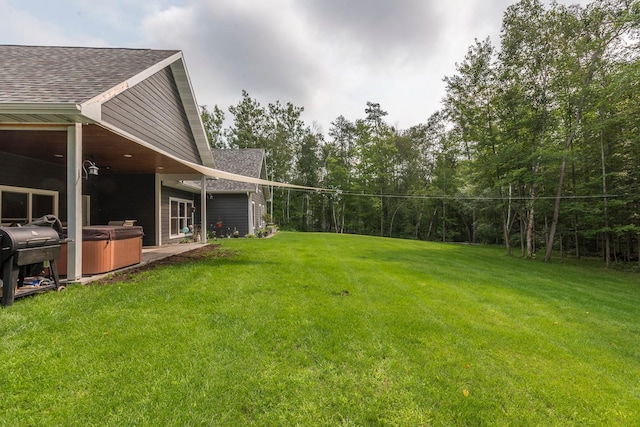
(324, 329)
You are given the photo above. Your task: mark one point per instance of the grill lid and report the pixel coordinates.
(29, 236)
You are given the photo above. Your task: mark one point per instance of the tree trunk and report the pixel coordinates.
(556, 206)
(627, 245)
(576, 236)
(393, 217)
(419, 220)
(474, 226)
(523, 247)
(303, 216)
(506, 224)
(444, 221)
(575, 216)
(607, 243)
(563, 165)
(381, 215)
(531, 221)
(287, 207)
(334, 216)
(433, 218)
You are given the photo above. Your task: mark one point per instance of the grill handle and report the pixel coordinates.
(37, 242)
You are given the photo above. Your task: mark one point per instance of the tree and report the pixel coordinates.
(212, 121)
(597, 30)
(307, 171)
(528, 133)
(279, 131)
(470, 106)
(339, 158)
(529, 49)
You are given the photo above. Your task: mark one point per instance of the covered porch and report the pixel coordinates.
(131, 183)
(100, 135)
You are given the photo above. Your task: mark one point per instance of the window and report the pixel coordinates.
(257, 215)
(180, 217)
(254, 224)
(22, 205)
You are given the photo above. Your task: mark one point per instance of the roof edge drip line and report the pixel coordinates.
(40, 108)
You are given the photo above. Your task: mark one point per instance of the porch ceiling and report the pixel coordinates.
(112, 153)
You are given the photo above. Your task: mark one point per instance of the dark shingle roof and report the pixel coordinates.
(246, 162)
(44, 74)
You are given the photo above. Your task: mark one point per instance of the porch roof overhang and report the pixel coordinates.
(24, 113)
(112, 150)
(113, 153)
(38, 130)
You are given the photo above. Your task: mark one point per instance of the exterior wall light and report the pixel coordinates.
(89, 168)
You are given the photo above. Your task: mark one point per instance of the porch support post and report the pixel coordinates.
(250, 213)
(158, 210)
(203, 210)
(74, 202)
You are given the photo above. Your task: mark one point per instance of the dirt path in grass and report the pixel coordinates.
(204, 252)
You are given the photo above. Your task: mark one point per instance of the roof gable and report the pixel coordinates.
(245, 161)
(61, 85)
(152, 111)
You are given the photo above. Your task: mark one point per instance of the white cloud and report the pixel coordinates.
(328, 56)
(316, 58)
(231, 47)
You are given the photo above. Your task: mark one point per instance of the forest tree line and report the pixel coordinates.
(536, 146)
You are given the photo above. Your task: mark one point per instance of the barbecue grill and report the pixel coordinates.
(24, 253)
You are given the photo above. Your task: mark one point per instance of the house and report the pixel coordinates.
(235, 206)
(94, 135)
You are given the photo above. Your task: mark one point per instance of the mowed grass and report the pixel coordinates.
(330, 330)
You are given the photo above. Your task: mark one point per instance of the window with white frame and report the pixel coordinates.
(253, 217)
(20, 205)
(180, 216)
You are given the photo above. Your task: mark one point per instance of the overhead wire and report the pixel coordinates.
(444, 197)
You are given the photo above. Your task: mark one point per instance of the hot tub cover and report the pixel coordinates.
(110, 232)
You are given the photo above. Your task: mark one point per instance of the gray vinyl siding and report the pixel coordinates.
(232, 210)
(168, 192)
(259, 196)
(153, 112)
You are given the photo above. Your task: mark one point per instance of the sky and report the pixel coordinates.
(328, 56)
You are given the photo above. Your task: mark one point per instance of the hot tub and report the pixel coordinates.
(106, 248)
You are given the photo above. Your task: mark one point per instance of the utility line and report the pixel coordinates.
(450, 197)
